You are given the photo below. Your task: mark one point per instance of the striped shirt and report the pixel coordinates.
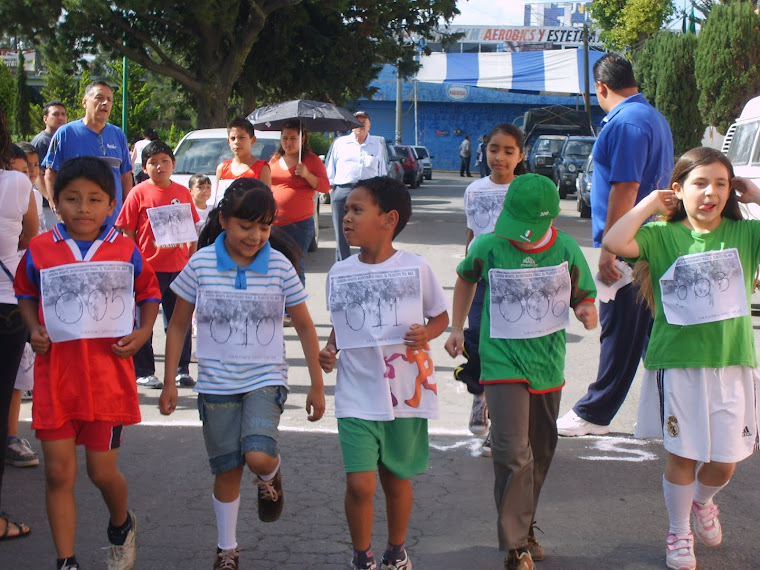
(269, 273)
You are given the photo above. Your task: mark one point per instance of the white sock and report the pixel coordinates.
(704, 493)
(678, 500)
(226, 522)
(271, 475)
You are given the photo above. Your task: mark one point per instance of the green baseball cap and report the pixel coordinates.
(531, 203)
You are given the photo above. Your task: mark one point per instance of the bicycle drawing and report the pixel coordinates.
(483, 208)
(172, 224)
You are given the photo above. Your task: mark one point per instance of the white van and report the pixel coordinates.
(742, 147)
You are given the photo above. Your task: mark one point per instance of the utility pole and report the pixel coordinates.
(398, 105)
(586, 93)
(124, 95)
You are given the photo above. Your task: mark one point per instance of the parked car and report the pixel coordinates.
(544, 152)
(571, 158)
(426, 159)
(201, 151)
(412, 168)
(742, 147)
(393, 165)
(583, 187)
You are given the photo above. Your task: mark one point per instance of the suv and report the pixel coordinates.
(425, 159)
(583, 186)
(200, 152)
(574, 153)
(544, 152)
(412, 168)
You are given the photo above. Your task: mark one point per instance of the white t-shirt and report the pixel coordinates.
(15, 190)
(203, 218)
(483, 201)
(370, 379)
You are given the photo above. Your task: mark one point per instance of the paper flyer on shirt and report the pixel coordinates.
(172, 224)
(483, 208)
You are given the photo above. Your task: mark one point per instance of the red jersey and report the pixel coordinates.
(134, 216)
(254, 171)
(83, 379)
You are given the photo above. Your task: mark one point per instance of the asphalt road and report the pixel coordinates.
(601, 506)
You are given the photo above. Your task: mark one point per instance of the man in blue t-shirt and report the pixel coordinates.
(93, 136)
(633, 155)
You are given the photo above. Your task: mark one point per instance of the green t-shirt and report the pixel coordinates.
(707, 345)
(538, 361)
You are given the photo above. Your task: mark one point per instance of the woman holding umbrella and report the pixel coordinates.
(297, 173)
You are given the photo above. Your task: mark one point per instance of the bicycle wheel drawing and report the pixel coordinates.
(682, 292)
(511, 308)
(482, 218)
(537, 305)
(97, 304)
(265, 331)
(723, 282)
(220, 330)
(559, 308)
(355, 316)
(69, 308)
(117, 307)
(702, 287)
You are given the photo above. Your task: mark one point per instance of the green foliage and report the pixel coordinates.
(6, 92)
(141, 111)
(61, 70)
(21, 124)
(319, 143)
(727, 62)
(625, 24)
(665, 73)
(35, 117)
(171, 136)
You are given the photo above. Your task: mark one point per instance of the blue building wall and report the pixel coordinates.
(446, 113)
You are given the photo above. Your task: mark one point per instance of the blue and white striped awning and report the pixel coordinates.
(554, 71)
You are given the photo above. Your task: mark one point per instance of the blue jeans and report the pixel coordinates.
(338, 197)
(302, 233)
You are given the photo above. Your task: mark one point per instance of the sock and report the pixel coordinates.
(70, 561)
(394, 552)
(226, 523)
(11, 438)
(363, 558)
(270, 476)
(678, 500)
(704, 493)
(117, 535)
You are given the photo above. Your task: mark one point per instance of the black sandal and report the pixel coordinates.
(23, 530)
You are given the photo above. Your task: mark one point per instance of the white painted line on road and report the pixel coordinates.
(617, 446)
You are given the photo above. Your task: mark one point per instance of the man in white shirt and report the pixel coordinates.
(465, 151)
(352, 158)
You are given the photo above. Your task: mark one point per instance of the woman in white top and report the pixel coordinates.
(18, 224)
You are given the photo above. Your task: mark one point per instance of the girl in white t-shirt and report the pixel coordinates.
(241, 285)
(483, 201)
(701, 266)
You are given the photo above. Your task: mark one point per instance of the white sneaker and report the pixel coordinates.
(485, 449)
(679, 552)
(123, 557)
(706, 524)
(570, 425)
(150, 382)
(479, 415)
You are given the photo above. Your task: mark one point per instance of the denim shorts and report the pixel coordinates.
(234, 424)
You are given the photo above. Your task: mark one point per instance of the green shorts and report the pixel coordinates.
(401, 445)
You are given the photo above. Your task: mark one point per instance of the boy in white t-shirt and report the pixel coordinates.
(385, 307)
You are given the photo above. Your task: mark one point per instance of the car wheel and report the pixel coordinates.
(429, 176)
(415, 182)
(585, 210)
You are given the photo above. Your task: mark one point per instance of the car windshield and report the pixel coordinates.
(421, 151)
(401, 151)
(578, 148)
(202, 156)
(550, 145)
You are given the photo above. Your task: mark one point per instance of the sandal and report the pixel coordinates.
(22, 529)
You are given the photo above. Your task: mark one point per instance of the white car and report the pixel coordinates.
(201, 151)
(425, 159)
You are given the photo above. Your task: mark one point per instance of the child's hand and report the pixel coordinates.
(315, 404)
(586, 313)
(416, 337)
(748, 191)
(328, 357)
(39, 340)
(663, 201)
(167, 402)
(455, 343)
(130, 344)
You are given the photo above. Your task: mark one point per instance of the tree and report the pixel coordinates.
(727, 62)
(142, 113)
(21, 123)
(6, 92)
(204, 45)
(625, 24)
(665, 74)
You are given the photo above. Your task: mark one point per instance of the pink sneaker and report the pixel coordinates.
(706, 523)
(679, 554)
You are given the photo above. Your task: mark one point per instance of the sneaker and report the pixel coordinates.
(679, 553)
(270, 498)
(20, 454)
(226, 559)
(536, 550)
(485, 449)
(150, 382)
(570, 425)
(404, 564)
(26, 395)
(122, 557)
(185, 381)
(519, 560)
(372, 566)
(479, 415)
(706, 524)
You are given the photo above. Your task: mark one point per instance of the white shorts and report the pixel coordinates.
(705, 414)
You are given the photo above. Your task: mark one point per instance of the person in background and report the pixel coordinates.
(481, 158)
(200, 190)
(53, 117)
(135, 154)
(465, 152)
(241, 136)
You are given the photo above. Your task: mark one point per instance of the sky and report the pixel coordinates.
(485, 12)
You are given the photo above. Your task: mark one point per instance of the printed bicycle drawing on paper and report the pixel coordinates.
(240, 320)
(701, 282)
(483, 207)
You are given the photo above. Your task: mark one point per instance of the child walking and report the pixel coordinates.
(200, 190)
(702, 262)
(504, 149)
(149, 211)
(239, 286)
(241, 136)
(385, 391)
(534, 274)
(84, 390)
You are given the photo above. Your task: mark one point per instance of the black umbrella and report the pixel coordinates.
(313, 115)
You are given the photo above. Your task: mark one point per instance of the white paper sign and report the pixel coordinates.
(221, 188)
(529, 303)
(240, 326)
(606, 293)
(88, 300)
(172, 224)
(483, 208)
(704, 288)
(375, 308)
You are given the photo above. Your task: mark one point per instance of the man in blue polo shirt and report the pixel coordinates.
(93, 136)
(633, 155)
